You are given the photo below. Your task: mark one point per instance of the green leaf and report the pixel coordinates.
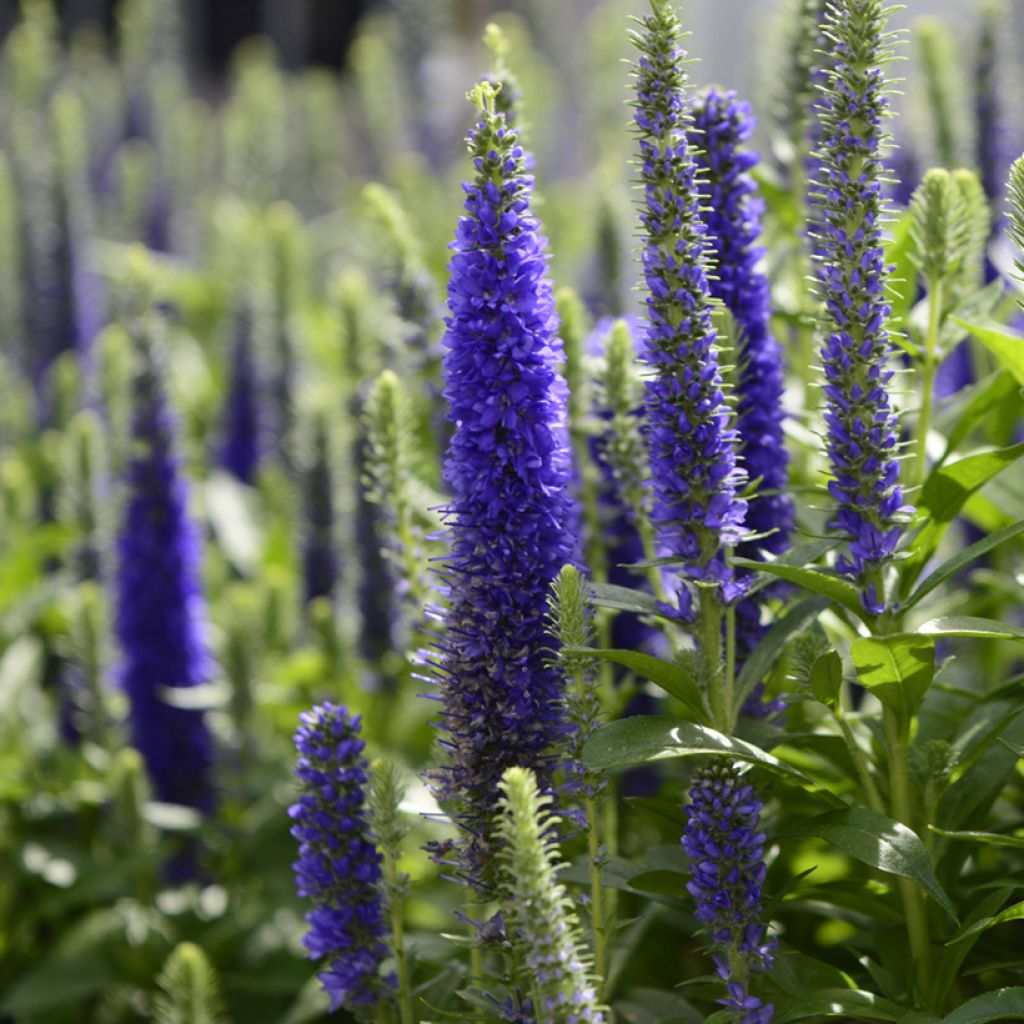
(969, 625)
(672, 678)
(1014, 913)
(1006, 345)
(975, 308)
(1003, 1004)
(231, 508)
(850, 1004)
(827, 678)
(896, 669)
(880, 842)
(985, 838)
(978, 788)
(944, 495)
(623, 599)
(771, 645)
(661, 883)
(964, 410)
(963, 559)
(952, 958)
(901, 283)
(835, 589)
(643, 739)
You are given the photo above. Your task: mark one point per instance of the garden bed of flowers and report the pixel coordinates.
(590, 593)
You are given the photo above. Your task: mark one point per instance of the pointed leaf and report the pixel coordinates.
(672, 678)
(969, 625)
(642, 739)
(1006, 345)
(965, 410)
(952, 958)
(985, 838)
(1003, 1004)
(845, 1003)
(1014, 913)
(944, 495)
(896, 669)
(827, 678)
(840, 591)
(880, 842)
(962, 560)
(623, 599)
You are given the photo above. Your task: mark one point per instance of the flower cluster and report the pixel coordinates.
(863, 429)
(540, 922)
(726, 853)
(508, 468)
(338, 866)
(159, 619)
(692, 446)
(240, 455)
(722, 125)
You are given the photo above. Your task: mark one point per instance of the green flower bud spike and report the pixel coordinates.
(549, 959)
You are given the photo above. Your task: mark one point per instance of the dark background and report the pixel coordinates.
(306, 31)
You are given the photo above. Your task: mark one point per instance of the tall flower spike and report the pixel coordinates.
(991, 149)
(697, 510)
(722, 125)
(540, 923)
(508, 468)
(726, 853)
(863, 429)
(240, 454)
(320, 567)
(339, 866)
(160, 614)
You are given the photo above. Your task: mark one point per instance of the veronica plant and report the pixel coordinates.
(240, 453)
(940, 232)
(391, 458)
(695, 474)
(161, 628)
(548, 958)
(863, 432)
(726, 851)
(508, 469)
(722, 125)
(339, 866)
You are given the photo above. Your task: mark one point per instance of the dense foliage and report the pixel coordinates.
(426, 603)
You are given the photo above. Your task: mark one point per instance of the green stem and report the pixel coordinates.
(902, 809)
(646, 532)
(860, 762)
(596, 889)
(596, 556)
(398, 939)
(593, 813)
(710, 633)
(729, 682)
(935, 301)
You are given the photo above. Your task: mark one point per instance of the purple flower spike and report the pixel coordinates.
(508, 468)
(731, 210)
(160, 613)
(338, 866)
(240, 455)
(726, 852)
(863, 430)
(694, 471)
